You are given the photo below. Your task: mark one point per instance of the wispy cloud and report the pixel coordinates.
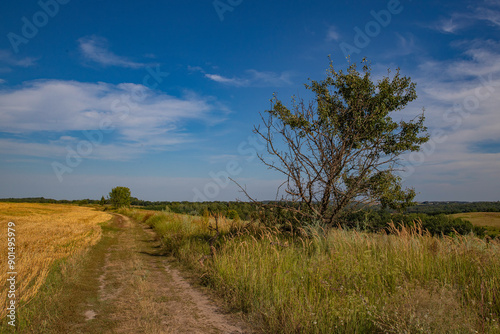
(238, 82)
(461, 20)
(270, 78)
(449, 25)
(8, 60)
(488, 14)
(251, 78)
(96, 49)
(404, 44)
(332, 34)
(62, 107)
(461, 97)
(58, 149)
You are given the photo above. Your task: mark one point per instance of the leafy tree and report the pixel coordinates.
(341, 150)
(120, 197)
(102, 201)
(233, 214)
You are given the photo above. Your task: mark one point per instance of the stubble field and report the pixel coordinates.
(488, 220)
(44, 233)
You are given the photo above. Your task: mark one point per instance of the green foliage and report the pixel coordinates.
(102, 201)
(376, 221)
(433, 208)
(232, 214)
(243, 210)
(120, 197)
(343, 147)
(84, 202)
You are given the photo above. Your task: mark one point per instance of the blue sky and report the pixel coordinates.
(162, 96)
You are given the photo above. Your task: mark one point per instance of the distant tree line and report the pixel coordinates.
(245, 210)
(232, 210)
(50, 200)
(432, 215)
(436, 208)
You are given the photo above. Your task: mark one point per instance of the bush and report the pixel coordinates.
(232, 214)
(377, 221)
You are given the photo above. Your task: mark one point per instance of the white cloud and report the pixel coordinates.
(461, 20)
(228, 81)
(332, 34)
(461, 97)
(450, 25)
(252, 78)
(67, 139)
(9, 59)
(95, 49)
(23, 148)
(490, 15)
(142, 119)
(59, 150)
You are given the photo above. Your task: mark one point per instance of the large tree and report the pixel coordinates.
(120, 197)
(341, 150)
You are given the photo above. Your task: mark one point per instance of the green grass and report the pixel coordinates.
(341, 281)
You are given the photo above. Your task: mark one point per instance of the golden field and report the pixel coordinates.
(491, 219)
(44, 233)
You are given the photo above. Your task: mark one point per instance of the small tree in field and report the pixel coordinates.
(120, 197)
(342, 149)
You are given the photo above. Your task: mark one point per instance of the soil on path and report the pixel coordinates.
(139, 292)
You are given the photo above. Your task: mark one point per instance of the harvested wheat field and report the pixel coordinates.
(44, 233)
(485, 219)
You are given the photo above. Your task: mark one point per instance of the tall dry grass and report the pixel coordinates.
(44, 233)
(339, 281)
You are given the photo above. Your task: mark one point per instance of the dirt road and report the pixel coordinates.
(139, 292)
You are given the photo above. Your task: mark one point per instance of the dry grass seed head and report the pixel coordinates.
(429, 309)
